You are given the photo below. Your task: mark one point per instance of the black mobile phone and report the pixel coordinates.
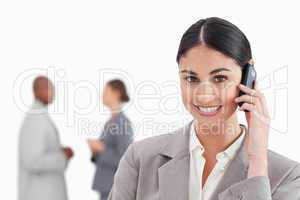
(248, 78)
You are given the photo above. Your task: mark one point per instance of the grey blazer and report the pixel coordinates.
(42, 163)
(157, 168)
(117, 135)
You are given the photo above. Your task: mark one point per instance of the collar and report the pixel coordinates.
(38, 107)
(228, 153)
(177, 145)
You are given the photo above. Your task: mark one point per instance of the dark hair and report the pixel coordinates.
(118, 85)
(219, 35)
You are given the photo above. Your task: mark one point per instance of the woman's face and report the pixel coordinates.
(110, 97)
(208, 81)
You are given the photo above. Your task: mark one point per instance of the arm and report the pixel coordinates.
(96, 155)
(33, 147)
(257, 185)
(117, 143)
(96, 146)
(126, 177)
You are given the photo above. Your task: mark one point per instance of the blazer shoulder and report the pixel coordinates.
(151, 146)
(122, 117)
(168, 144)
(35, 120)
(281, 168)
(281, 162)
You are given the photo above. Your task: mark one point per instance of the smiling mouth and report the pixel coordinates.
(208, 110)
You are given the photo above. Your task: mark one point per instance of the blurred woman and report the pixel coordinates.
(114, 140)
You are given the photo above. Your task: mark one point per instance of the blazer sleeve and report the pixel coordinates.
(126, 178)
(117, 142)
(97, 156)
(34, 155)
(258, 188)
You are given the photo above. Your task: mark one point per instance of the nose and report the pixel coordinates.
(205, 94)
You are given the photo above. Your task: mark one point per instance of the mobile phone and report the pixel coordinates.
(248, 78)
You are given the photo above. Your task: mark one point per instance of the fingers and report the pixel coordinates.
(251, 100)
(253, 96)
(251, 108)
(248, 106)
(248, 99)
(264, 105)
(262, 100)
(249, 91)
(254, 110)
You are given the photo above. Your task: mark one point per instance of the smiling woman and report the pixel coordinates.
(208, 83)
(213, 157)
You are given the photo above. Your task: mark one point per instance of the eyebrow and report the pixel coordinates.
(212, 72)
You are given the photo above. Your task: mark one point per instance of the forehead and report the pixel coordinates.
(204, 59)
(108, 88)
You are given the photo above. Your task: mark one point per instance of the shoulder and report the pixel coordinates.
(151, 146)
(122, 118)
(281, 168)
(35, 119)
(157, 148)
(34, 125)
(144, 152)
(280, 162)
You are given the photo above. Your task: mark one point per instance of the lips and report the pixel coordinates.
(208, 110)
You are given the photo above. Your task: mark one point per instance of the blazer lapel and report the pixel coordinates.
(236, 171)
(174, 174)
(173, 179)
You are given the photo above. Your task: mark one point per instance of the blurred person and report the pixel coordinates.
(42, 159)
(114, 140)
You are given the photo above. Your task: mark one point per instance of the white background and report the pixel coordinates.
(74, 41)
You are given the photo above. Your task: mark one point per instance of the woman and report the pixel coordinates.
(114, 140)
(213, 157)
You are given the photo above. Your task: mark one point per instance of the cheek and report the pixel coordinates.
(105, 97)
(227, 91)
(228, 94)
(46, 94)
(186, 93)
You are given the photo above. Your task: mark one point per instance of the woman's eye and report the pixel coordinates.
(220, 78)
(191, 79)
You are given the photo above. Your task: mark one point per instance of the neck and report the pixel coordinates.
(40, 102)
(217, 136)
(115, 109)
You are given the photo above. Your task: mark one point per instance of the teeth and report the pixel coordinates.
(208, 109)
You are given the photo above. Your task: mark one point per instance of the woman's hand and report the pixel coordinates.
(258, 120)
(96, 146)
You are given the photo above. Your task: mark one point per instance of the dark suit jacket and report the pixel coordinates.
(117, 135)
